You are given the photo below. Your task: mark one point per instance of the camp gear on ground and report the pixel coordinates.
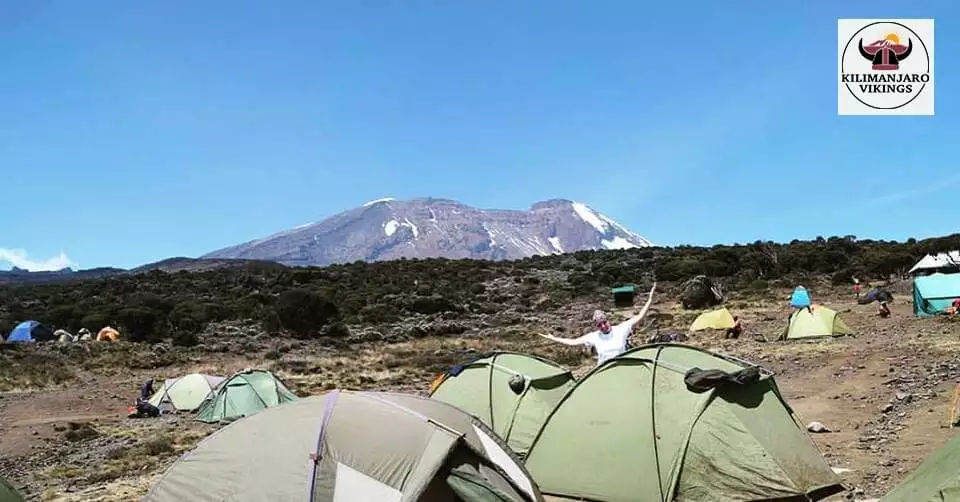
(484, 388)
(934, 480)
(30, 331)
(108, 334)
(933, 294)
(143, 409)
(186, 393)
(8, 493)
(244, 394)
(351, 447)
(716, 319)
(875, 294)
(800, 298)
(669, 337)
(698, 380)
(630, 431)
(814, 321)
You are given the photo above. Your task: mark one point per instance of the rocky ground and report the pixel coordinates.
(885, 394)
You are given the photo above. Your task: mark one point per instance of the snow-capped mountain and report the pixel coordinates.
(386, 229)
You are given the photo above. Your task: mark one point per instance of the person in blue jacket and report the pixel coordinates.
(800, 299)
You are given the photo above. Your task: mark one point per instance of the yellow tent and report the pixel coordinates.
(823, 321)
(718, 319)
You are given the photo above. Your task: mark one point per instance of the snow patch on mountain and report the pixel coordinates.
(377, 201)
(391, 227)
(587, 215)
(618, 243)
(555, 242)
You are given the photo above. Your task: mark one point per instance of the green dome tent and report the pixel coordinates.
(822, 322)
(936, 479)
(243, 394)
(670, 423)
(482, 387)
(350, 447)
(186, 393)
(8, 493)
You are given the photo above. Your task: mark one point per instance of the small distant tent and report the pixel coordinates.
(667, 423)
(351, 447)
(84, 335)
(8, 493)
(64, 336)
(186, 393)
(936, 479)
(244, 394)
(876, 295)
(717, 319)
(30, 331)
(933, 294)
(108, 334)
(822, 322)
(511, 393)
(623, 296)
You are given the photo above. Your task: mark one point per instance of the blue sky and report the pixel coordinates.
(135, 131)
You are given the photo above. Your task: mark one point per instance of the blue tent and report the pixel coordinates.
(30, 331)
(932, 294)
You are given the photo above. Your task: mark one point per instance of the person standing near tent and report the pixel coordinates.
(609, 341)
(856, 287)
(736, 330)
(884, 310)
(800, 299)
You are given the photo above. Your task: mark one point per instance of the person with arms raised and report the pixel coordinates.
(608, 340)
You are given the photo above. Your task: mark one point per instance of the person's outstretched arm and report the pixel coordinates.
(566, 341)
(635, 319)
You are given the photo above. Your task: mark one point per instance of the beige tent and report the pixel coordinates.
(717, 319)
(351, 446)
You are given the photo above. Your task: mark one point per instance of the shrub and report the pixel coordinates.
(304, 312)
(139, 324)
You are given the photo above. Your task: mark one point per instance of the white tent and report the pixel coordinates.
(935, 263)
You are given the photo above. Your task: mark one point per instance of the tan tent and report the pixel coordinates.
(717, 319)
(186, 393)
(108, 334)
(351, 446)
(64, 336)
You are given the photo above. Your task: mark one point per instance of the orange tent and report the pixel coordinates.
(108, 334)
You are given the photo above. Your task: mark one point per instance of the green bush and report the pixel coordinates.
(305, 313)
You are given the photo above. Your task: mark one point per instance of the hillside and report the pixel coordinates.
(388, 229)
(374, 295)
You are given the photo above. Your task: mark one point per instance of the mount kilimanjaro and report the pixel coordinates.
(388, 229)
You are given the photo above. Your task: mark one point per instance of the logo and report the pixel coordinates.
(885, 67)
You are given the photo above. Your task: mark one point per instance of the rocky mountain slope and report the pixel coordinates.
(387, 229)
